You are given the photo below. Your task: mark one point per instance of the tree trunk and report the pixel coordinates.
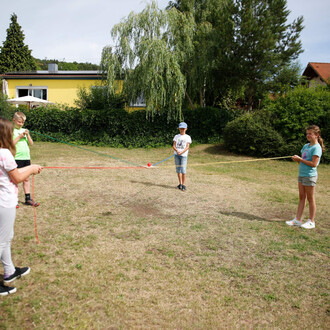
(190, 102)
(202, 93)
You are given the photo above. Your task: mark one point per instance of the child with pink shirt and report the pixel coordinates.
(10, 176)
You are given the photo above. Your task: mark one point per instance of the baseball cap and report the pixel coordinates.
(183, 125)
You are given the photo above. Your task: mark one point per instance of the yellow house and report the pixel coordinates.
(56, 86)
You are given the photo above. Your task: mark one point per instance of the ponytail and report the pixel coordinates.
(321, 143)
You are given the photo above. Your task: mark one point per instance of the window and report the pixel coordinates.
(139, 102)
(40, 92)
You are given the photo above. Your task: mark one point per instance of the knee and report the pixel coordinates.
(310, 199)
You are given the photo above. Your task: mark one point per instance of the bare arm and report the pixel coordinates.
(19, 175)
(174, 146)
(19, 137)
(29, 137)
(312, 163)
(184, 150)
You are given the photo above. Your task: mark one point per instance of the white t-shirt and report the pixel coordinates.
(181, 143)
(8, 190)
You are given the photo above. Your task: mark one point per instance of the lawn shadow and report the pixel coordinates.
(150, 184)
(247, 216)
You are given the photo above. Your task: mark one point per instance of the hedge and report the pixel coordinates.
(119, 128)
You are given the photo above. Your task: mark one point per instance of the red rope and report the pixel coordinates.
(34, 211)
(95, 167)
(73, 167)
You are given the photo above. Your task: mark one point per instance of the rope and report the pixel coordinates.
(161, 161)
(230, 162)
(85, 149)
(136, 166)
(34, 211)
(94, 167)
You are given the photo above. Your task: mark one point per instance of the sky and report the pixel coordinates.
(77, 30)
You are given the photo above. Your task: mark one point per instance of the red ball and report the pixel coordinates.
(149, 164)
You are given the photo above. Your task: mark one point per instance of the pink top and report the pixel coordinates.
(8, 190)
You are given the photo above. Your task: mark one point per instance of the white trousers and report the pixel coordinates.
(7, 220)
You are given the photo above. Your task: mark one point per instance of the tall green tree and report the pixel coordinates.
(14, 54)
(149, 50)
(286, 79)
(246, 45)
(211, 27)
(263, 42)
(206, 50)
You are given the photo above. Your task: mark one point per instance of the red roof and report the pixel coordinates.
(315, 69)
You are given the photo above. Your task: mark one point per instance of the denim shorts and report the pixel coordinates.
(307, 180)
(181, 164)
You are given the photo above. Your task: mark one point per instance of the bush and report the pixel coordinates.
(5, 108)
(206, 124)
(119, 128)
(299, 108)
(97, 98)
(251, 134)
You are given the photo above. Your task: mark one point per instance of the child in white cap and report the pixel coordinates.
(181, 143)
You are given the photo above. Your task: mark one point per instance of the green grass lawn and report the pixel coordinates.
(123, 248)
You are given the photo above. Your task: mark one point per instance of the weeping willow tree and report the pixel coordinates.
(147, 54)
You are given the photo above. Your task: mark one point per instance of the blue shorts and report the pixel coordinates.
(181, 164)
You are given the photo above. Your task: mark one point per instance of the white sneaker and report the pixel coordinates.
(294, 222)
(308, 225)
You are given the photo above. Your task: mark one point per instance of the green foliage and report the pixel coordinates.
(211, 123)
(14, 54)
(5, 108)
(204, 52)
(280, 129)
(211, 23)
(239, 45)
(299, 108)
(98, 97)
(150, 48)
(119, 128)
(252, 134)
(66, 66)
(286, 79)
(263, 42)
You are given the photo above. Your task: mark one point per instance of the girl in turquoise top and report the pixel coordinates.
(310, 158)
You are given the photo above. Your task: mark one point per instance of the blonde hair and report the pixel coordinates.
(6, 135)
(317, 132)
(19, 115)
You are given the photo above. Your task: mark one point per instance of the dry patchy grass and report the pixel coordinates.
(125, 249)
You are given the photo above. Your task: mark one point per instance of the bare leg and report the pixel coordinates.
(310, 192)
(26, 186)
(302, 201)
(184, 179)
(180, 177)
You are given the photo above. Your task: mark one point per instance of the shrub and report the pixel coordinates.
(299, 108)
(206, 124)
(251, 134)
(119, 128)
(97, 98)
(5, 108)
